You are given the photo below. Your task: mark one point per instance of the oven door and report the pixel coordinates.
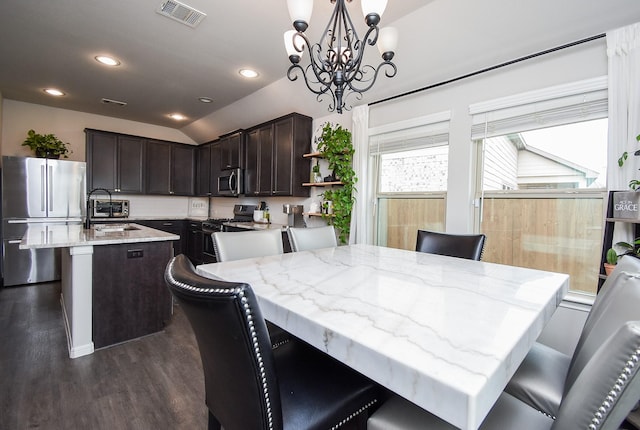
(208, 253)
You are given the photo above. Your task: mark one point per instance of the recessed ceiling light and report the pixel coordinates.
(248, 73)
(205, 99)
(109, 61)
(177, 116)
(53, 92)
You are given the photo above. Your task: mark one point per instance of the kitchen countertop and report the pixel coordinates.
(256, 225)
(65, 236)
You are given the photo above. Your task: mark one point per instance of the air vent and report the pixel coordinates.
(181, 12)
(113, 102)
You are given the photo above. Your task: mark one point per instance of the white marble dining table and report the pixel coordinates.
(443, 332)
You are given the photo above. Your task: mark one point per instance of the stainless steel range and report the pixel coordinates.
(241, 213)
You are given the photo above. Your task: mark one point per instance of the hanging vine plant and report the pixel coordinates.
(336, 147)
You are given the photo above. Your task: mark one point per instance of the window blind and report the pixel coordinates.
(418, 133)
(565, 104)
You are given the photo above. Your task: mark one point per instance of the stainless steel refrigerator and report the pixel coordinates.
(37, 190)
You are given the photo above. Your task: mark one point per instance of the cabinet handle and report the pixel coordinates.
(166, 224)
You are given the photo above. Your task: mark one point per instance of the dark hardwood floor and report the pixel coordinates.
(151, 383)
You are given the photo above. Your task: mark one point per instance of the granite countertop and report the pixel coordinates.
(46, 235)
(148, 218)
(256, 225)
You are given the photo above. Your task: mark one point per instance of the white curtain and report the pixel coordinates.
(624, 113)
(360, 223)
(624, 104)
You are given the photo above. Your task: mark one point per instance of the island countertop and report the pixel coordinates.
(45, 235)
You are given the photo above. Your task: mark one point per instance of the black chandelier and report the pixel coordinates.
(335, 65)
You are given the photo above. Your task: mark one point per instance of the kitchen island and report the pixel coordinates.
(113, 293)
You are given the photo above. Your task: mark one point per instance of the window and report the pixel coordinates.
(410, 161)
(542, 177)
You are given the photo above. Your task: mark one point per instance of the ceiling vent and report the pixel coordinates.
(181, 12)
(113, 102)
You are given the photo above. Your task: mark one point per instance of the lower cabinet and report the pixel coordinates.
(130, 298)
(178, 227)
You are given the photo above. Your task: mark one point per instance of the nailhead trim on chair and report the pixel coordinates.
(604, 408)
(355, 414)
(249, 320)
(279, 344)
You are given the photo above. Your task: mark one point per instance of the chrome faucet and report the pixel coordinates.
(87, 222)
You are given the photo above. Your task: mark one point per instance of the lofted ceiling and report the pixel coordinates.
(165, 65)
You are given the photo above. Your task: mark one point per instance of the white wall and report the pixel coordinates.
(68, 126)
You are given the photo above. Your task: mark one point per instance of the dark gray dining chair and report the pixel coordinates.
(546, 374)
(601, 397)
(469, 246)
(303, 239)
(248, 384)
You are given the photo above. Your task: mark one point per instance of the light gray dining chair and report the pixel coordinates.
(303, 239)
(599, 399)
(238, 245)
(546, 374)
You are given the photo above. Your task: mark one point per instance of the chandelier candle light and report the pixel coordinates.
(335, 64)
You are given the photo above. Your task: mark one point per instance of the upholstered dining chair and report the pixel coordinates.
(248, 384)
(469, 246)
(303, 239)
(546, 374)
(601, 397)
(238, 245)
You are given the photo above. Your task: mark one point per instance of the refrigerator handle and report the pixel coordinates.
(50, 189)
(43, 187)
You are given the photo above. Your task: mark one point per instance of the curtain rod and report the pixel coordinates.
(488, 69)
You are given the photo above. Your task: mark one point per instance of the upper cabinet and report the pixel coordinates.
(231, 155)
(203, 170)
(115, 162)
(274, 163)
(258, 165)
(170, 168)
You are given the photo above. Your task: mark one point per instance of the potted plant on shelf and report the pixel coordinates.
(46, 145)
(632, 249)
(336, 147)
(612, 260)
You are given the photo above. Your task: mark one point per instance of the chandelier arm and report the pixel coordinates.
(324, 88)
(354, 66)
(320, 67)
(372, 81)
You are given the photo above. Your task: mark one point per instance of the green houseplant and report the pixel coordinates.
(46, 145)
(336, 147)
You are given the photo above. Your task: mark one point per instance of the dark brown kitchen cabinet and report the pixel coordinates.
(177, 227)
(258, 164)
(170, 168)
(129, 296)
(203, 170)
(115, 162)
(274, 164)
(231, 145)
(215, 168)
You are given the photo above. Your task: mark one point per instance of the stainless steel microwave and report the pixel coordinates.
(110, 208)
(230, 182)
